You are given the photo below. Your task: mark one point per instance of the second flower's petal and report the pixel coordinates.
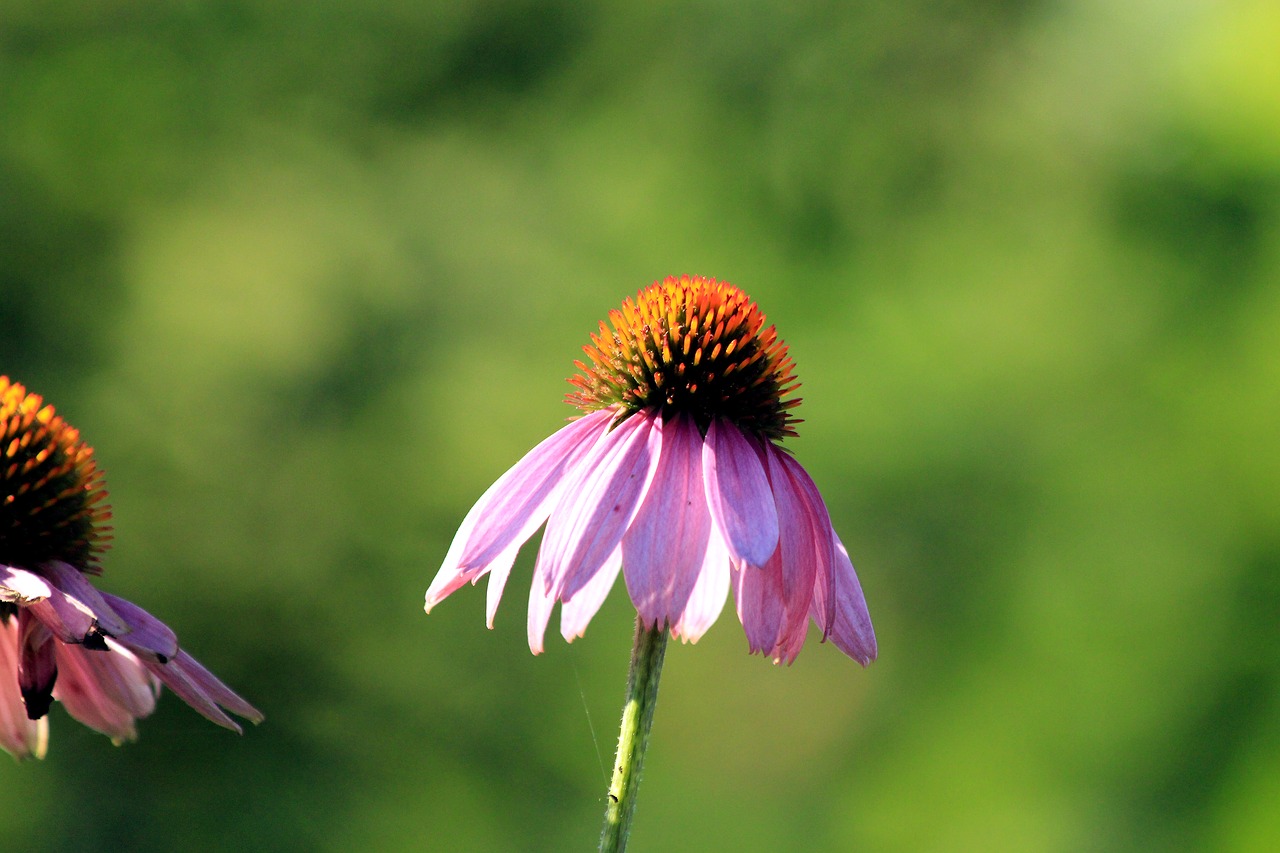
(147, 634)
(80, 689)
(19, 586)
(738, 494)
(576, 613)
(76, 587)
(176, 677)
(709, 592)
(665, 546)
(19, 736)
(37, 665)
(588, 523)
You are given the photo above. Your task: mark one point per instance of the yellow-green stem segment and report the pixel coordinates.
(637, 719)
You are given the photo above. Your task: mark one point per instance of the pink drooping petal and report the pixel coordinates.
(147, 636)
(521, 499)
(540, 603)
(576, 613)
(709, 592)
(499, 571)
(851, 629)
(758, 596)
(92, 684)
(774, 599)
(587, 524)
(77, 588)
(515, 505)
(37, 666)
(19, 736)
(823, 538)
(795, 539)
(665, 546)
(21, 587)
(738, 494)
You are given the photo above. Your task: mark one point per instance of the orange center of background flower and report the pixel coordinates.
(691, 345)
(52, 500)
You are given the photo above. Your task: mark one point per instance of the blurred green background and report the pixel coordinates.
(310, 276)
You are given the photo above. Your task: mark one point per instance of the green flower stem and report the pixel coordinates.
(637, 719)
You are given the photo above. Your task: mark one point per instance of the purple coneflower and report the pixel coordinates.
(675, 478)
(102, 657)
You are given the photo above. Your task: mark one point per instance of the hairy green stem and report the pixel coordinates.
(637, 719)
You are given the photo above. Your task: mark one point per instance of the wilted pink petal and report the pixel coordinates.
(738, 495)
(174, 676)
(105, 690)
(209, 685)
(37, 669)
(20, 736)
(82, 594)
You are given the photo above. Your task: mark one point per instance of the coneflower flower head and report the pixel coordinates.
(691, 346)
(674, 477)
(102, 657)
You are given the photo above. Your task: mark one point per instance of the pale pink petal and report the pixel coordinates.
(738, 494)
(587, 524)
(851, 630)
(666, 544)
(709, 592)
(499, 571)
(540, 603)
(147, 635)
(19, 736)
(577, 611)
(515, 506)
